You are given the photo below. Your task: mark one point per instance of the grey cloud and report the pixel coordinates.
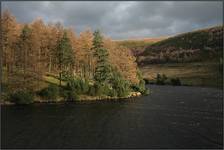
(122, 20)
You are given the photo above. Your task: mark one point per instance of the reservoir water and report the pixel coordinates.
(170, 117)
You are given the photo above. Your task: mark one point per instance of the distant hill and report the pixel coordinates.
(138, 45)
(200, 45)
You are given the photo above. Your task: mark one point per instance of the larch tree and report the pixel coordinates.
(10, 34)
(35, 39)
(26, 57)
(52, 39)
(85, 53)
(39, 30)
(123, 60)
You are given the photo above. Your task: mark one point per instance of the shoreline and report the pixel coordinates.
(84, 99)
(186, 85)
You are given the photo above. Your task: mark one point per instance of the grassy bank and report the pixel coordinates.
(196, 74)
(48, 90)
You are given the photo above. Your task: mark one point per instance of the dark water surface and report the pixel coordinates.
(170, 117)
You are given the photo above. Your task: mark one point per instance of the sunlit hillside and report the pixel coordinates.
(138, 45)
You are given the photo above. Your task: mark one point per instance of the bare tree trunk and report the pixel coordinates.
(60, 78)
(49, 67)
(39, 68)
(24, 66)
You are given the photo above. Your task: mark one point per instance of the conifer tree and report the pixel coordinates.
(102, 72)
(65, 59)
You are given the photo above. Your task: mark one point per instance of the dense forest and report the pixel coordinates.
(50, 62)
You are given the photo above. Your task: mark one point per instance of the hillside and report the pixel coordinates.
(200, 45)
(194, 57)
(137, 46)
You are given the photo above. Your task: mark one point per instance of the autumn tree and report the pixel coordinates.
(52, 40)
(84, 55)
(10, 33)
(38, 39)
(123, 60)
(54, 34)
(40, 43)
(26, 55)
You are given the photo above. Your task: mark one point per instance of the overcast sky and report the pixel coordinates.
(123, 20)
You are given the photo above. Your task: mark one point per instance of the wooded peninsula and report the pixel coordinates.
(50, 63)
